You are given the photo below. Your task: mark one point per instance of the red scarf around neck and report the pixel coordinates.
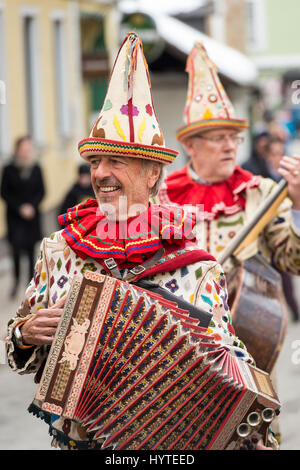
(89, 233)
(227, 197)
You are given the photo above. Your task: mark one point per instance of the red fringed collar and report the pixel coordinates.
(226, 197)
(89, 233)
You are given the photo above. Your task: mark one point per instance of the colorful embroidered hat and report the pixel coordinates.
(127, 124)
(207, 105)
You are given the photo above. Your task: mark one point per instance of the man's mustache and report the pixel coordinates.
(107, 182)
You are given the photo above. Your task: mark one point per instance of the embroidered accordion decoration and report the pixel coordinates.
(138, 372)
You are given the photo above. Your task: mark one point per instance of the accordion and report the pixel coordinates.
(136, 371)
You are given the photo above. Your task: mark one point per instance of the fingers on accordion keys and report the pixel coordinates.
(268, 414)
(248, 444)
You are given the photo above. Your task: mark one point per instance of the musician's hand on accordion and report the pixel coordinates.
(41, 328)
(260, 446)
(253, 444)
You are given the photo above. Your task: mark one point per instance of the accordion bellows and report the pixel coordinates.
(137, 372)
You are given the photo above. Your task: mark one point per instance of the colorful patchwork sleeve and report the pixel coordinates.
(211, 295)
(36, 297)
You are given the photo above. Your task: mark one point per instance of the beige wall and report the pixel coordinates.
(227, 24)
(235, 21)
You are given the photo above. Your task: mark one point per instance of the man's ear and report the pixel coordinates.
(153, 174)
(188, 145)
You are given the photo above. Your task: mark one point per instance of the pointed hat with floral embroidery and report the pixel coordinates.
(127, 124)
(207, 105)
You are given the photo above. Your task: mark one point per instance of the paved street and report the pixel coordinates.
(20, 430)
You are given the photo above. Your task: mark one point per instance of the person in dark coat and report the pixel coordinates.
(80, 191)
(257, 161)
(22, 189)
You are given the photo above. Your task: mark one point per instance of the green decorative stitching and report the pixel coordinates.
(240, 220)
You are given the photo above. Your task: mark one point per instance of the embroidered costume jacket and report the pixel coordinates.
(226, 207)
(200, 282)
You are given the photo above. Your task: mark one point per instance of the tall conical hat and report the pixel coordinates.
(127, 124)
(207, 105)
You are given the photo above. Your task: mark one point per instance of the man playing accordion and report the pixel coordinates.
(119, 233)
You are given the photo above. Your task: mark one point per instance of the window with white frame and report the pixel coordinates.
(60, 61)
(32, 76)
(256, 25)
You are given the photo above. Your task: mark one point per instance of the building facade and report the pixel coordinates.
(55, 57)
(273, 43)
(221, 26)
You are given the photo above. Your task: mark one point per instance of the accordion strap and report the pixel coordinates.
(130, 274)
(203, 316)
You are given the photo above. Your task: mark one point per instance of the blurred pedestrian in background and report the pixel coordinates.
(80, 191)
(275, 150)
(257, 161)
(22, 189)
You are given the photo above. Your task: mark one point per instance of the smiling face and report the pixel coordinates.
(213, 153)
(116, 177)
